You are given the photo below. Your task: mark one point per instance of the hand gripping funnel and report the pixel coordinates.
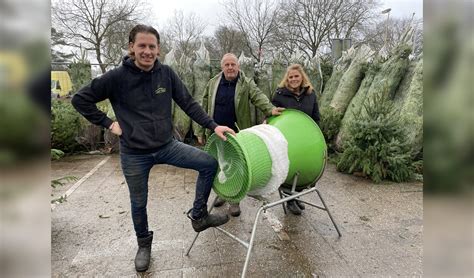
(307, 148)
(244, 164)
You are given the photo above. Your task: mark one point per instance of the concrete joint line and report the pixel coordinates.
(83, 179)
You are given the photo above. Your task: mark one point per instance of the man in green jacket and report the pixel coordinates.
(226, 99)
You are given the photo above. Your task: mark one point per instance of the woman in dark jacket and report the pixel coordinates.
(295, 91)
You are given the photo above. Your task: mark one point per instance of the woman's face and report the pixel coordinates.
(294, 79)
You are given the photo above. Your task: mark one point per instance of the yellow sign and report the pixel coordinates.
(61, 83)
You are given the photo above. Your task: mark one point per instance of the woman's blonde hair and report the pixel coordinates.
(305, 82)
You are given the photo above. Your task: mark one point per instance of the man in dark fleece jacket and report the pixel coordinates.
(140, 92)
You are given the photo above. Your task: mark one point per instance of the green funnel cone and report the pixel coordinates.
(244, 164)
(307, 148)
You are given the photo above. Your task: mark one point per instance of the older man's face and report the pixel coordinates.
(230, 67)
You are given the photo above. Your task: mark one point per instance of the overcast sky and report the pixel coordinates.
(211, 11)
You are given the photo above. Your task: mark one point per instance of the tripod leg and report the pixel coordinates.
(194, 240)
(252, 237)
(281, 197)
(329, 213)
(197, 234)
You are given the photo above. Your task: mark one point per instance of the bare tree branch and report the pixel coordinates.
(228, 39)
(257, 20)
(184, 31)
(310, 24)
(89, 24)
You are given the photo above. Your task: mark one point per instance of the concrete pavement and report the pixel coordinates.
(92, 232)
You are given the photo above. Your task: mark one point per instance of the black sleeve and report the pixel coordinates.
(189, 105)
(275, 100)
(84, 101)
(315, 115)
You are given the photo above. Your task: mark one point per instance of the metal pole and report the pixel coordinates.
(197, 234)
(329, 213)
(386, 29)
(386, 11)
(244, 243)
(252, 237)
(191, 246)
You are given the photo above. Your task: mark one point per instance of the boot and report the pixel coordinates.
(142, 259)
(207, 220)
(293, 207)
(300, 205)
(234, 209)
(219, 202)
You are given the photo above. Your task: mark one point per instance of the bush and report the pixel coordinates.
(65, 126)
(56, 154)
(22, 128)
(330, 124)
(377, 145)
(326, 70)
(89, 136)
(71, 132)
(81, 75)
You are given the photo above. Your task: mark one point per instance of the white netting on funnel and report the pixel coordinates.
(277, 146)
(223, 163)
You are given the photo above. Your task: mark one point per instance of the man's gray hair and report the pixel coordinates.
(229, 55)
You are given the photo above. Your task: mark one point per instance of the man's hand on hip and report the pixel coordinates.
(220, 130)
(115, 128)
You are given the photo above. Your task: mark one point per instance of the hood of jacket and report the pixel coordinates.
(129, 63)
(287, 92)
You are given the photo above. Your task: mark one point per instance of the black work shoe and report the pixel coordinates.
(219, 202)
(300, 205)
(142, 259)
(293, 207)
(208, 220)
(234, 209)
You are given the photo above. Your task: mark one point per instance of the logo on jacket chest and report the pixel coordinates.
(160, 90)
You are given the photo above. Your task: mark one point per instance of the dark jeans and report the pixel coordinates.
(136, 169)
